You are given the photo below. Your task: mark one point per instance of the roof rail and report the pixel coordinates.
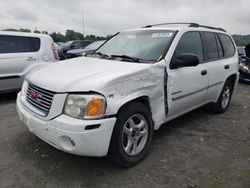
(189, 25)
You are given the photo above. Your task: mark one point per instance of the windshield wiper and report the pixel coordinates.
(126, 57)
(100, 54)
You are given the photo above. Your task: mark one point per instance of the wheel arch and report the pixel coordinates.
(143, 100)
(233, 79)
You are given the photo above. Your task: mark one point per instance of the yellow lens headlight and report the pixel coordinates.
(86, 106)
(95, 108)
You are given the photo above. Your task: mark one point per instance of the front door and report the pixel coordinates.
(187, 86)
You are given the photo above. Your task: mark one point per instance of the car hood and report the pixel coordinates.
(76, 51)
(85, 74)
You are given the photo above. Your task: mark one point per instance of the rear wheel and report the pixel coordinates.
(132, 135)
(224, 100)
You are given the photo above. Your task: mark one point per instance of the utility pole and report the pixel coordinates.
(82, 24)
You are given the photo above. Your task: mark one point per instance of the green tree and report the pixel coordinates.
(241, 40)
(72, 35)
(25, 30)
(58, 37)
(10, 29)
(37, 31)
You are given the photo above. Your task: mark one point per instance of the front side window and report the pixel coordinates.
(227, 45)
(190, 43)
(143, 45)
(18, 44)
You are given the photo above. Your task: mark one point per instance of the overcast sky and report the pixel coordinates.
(102, 17)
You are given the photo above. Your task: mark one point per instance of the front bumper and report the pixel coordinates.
(68, 134)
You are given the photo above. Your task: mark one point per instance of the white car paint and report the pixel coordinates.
(120, 83)
(15, 66)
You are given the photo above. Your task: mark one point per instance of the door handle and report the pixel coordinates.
(204, 72)
(226, 67)
(31, 59)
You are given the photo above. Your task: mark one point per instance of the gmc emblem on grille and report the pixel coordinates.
(34, 95)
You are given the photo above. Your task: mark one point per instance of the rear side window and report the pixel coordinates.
(220, 50)
(18, 44)
(227, 45)
(211, 45)
(190, 43)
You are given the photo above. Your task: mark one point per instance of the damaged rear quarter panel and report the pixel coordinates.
(148, 82)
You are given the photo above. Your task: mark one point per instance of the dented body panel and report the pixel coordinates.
(119, 82)
(169, 92)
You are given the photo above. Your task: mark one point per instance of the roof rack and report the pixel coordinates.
(189, 25)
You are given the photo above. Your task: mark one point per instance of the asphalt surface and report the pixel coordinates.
(199, 149)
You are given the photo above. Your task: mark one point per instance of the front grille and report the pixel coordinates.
(39, 98)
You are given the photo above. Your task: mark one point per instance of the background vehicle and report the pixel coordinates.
(244, 67)
(20, 53)
(60, 52)
(242, 53)
(75, 44)
(109, 102)
(84, 51)
(60, 43)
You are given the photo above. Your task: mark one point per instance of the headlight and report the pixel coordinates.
(24, 88)
(244, 67)
(85, 106)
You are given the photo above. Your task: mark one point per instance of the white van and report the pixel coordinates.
(19, 54)
(110, 102)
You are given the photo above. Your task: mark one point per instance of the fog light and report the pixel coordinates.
(67, 143)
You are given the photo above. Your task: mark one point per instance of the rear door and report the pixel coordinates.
(187, 85)
(218, 50)
(17, 55)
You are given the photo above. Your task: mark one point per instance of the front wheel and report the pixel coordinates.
(224, 100)
(132, 135)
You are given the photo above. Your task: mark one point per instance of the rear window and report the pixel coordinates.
(227, 45)
(18, 44)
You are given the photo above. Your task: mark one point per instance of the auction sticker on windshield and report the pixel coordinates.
(158, 35)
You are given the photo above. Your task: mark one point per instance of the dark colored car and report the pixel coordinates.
(60, 44)
(84, 51)
(75, 44)
(244, 67)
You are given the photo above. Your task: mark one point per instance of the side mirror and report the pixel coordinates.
(185, 60)
(247, 49)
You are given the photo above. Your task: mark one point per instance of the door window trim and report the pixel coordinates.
(200, 62)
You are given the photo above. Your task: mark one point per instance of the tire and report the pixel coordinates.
(131, 138)
(223, 102)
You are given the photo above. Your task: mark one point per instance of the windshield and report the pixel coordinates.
(68, 43)
(95, 45)
(146, 45)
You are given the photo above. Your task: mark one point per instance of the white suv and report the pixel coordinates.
(110, 102)
(20, 53)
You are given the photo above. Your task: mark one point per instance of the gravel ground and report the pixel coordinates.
(199, 149)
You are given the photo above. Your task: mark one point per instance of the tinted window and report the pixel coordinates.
(16, 44)
(227, 45)
(190, 43)
(211, 45)
(220, 50)
(76, 45)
